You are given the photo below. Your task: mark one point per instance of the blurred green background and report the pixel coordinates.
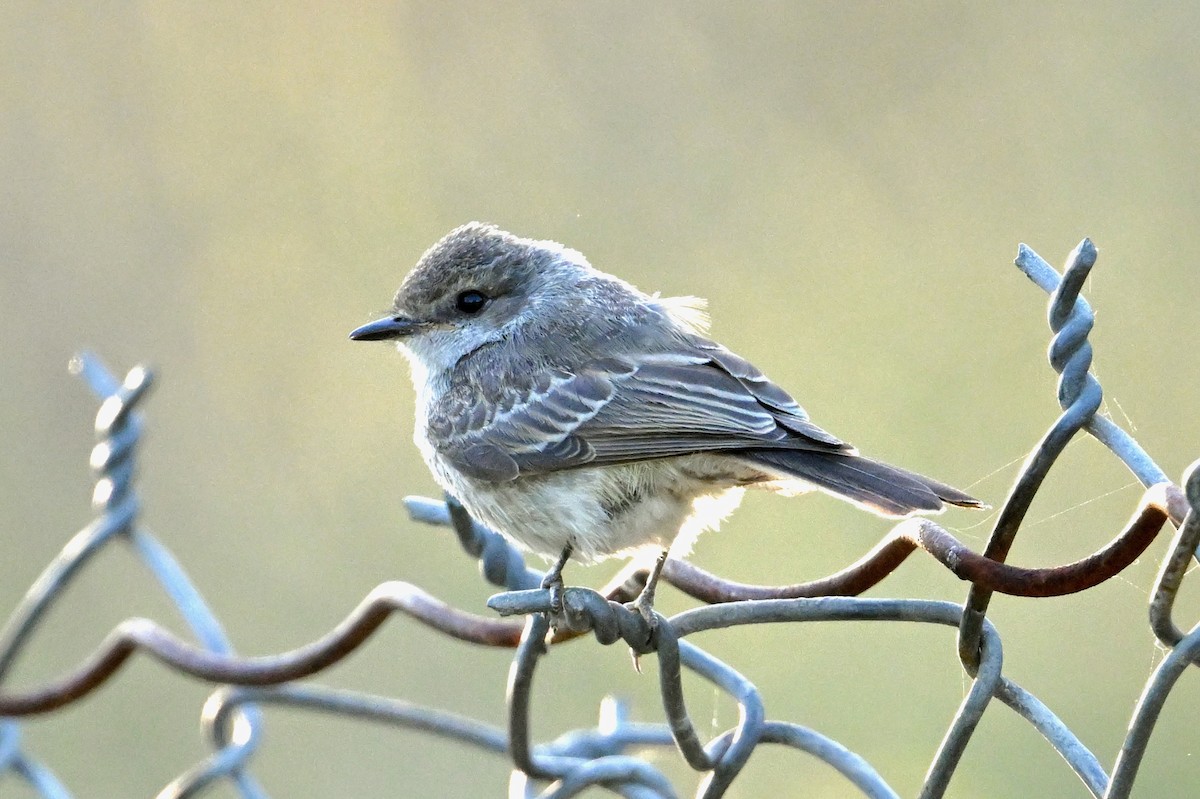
(225, 190)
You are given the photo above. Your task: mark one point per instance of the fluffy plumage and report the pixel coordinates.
(573, 409)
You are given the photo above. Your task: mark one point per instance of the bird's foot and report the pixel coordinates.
(644, 603)
(553, 581)
(644, 607)
(555, 587)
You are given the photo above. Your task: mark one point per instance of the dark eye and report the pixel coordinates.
(471, 301)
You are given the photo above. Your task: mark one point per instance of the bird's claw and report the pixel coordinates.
(553, 581)
(554, 584)
(644, 607)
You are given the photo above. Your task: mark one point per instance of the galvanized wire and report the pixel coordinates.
(607, 755)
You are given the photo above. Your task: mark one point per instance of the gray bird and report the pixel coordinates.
(584, 419)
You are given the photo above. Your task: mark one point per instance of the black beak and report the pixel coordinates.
(389, 327)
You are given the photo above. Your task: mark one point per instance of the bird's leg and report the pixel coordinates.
(644, 604)
(554, 581)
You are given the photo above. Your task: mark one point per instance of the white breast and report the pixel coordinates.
(591, 509)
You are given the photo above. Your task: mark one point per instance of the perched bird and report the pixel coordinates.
(582, 418)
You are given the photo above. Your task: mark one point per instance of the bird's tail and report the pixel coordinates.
(883, 489)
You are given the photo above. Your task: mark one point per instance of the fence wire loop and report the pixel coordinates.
(609, 754)
(1079, 394)
(1175, 565)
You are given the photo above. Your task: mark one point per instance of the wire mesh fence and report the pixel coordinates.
(611, 754)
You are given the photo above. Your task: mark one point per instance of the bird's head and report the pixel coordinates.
(477, 285)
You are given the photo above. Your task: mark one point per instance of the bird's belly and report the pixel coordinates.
(602, 511)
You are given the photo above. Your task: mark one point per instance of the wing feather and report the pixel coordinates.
(615, 410)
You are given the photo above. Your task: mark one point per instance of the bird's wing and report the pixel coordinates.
(700, 397)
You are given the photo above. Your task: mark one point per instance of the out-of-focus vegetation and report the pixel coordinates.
(226, 190)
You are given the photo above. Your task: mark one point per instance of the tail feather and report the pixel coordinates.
(879, 487)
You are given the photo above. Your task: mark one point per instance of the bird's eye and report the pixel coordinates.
(470, 301)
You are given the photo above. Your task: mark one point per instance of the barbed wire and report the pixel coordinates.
(605, 755)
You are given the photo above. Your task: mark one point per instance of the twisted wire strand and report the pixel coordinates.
(569, 774)
(613, 734)
(723, 759)
(988, 679)
(597, 753)
(1079, 394)
(144, 635)
(118, 432)
(1117, 440)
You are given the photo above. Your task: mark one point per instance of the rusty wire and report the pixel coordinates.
(602, 755)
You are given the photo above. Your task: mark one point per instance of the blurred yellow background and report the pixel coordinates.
(225, 190)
